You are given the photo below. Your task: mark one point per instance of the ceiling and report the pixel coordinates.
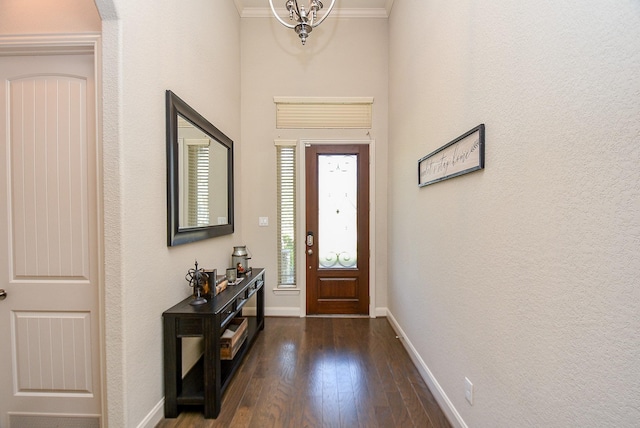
(344, 8)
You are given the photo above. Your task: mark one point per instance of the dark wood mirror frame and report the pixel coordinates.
(175, 234)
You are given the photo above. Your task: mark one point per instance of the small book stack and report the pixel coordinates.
(217, 286)
(221, 283)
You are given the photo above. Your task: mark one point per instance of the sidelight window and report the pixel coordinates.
(286, 171)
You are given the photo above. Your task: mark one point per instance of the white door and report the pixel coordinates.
(49, 319)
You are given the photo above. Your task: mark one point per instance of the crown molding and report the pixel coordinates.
(354, 13)
(388, 6)
(239, 6)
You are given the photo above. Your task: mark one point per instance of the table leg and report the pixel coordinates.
(172, 361)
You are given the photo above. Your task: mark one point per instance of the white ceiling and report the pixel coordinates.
(346, 8)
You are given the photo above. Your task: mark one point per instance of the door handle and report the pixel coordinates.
(3, 294)
(309, 239)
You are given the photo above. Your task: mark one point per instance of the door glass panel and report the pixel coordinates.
(337, 211)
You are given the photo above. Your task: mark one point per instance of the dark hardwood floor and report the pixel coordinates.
(323, 372)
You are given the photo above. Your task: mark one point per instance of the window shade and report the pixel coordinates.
(315, 113)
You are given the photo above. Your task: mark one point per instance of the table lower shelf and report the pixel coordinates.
(192, 384)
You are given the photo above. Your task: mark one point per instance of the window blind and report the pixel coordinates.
(198, 201)
(286, 170)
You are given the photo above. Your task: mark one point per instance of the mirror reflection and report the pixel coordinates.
(202, 168)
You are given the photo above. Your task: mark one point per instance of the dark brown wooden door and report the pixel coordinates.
(337, 225)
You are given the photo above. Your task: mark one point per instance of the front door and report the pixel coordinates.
(337, 226)
(49, 317)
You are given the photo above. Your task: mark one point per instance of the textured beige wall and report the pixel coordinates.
(151, 46)
(342, 58)
(45, 16)
(524, 277)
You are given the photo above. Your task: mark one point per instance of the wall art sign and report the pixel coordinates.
(463, 155)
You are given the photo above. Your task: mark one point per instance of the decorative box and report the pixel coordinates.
(233, 338)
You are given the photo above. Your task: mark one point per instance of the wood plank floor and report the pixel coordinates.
(323, 372)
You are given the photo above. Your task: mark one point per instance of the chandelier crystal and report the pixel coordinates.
(305, 18)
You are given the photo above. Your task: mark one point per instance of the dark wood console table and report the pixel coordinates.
(205, 383)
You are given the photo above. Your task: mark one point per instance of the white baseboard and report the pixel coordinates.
(282, 312)
(274, 311)
(445, 404)
(154, 417)
(287, 311)
(297, 312)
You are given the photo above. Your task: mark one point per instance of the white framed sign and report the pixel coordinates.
(463, 155)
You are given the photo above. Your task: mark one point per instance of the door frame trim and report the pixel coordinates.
(65, 44)
(301, 216)
(70, 43)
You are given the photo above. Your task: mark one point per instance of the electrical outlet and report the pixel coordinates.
(263, 221)
(468, 390)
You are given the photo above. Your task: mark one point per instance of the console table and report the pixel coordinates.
(205, 383)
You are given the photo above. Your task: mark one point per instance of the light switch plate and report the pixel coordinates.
(468, 390)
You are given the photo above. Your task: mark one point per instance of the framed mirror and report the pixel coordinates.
(199, 176)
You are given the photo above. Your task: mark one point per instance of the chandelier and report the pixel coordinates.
(305, 19)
